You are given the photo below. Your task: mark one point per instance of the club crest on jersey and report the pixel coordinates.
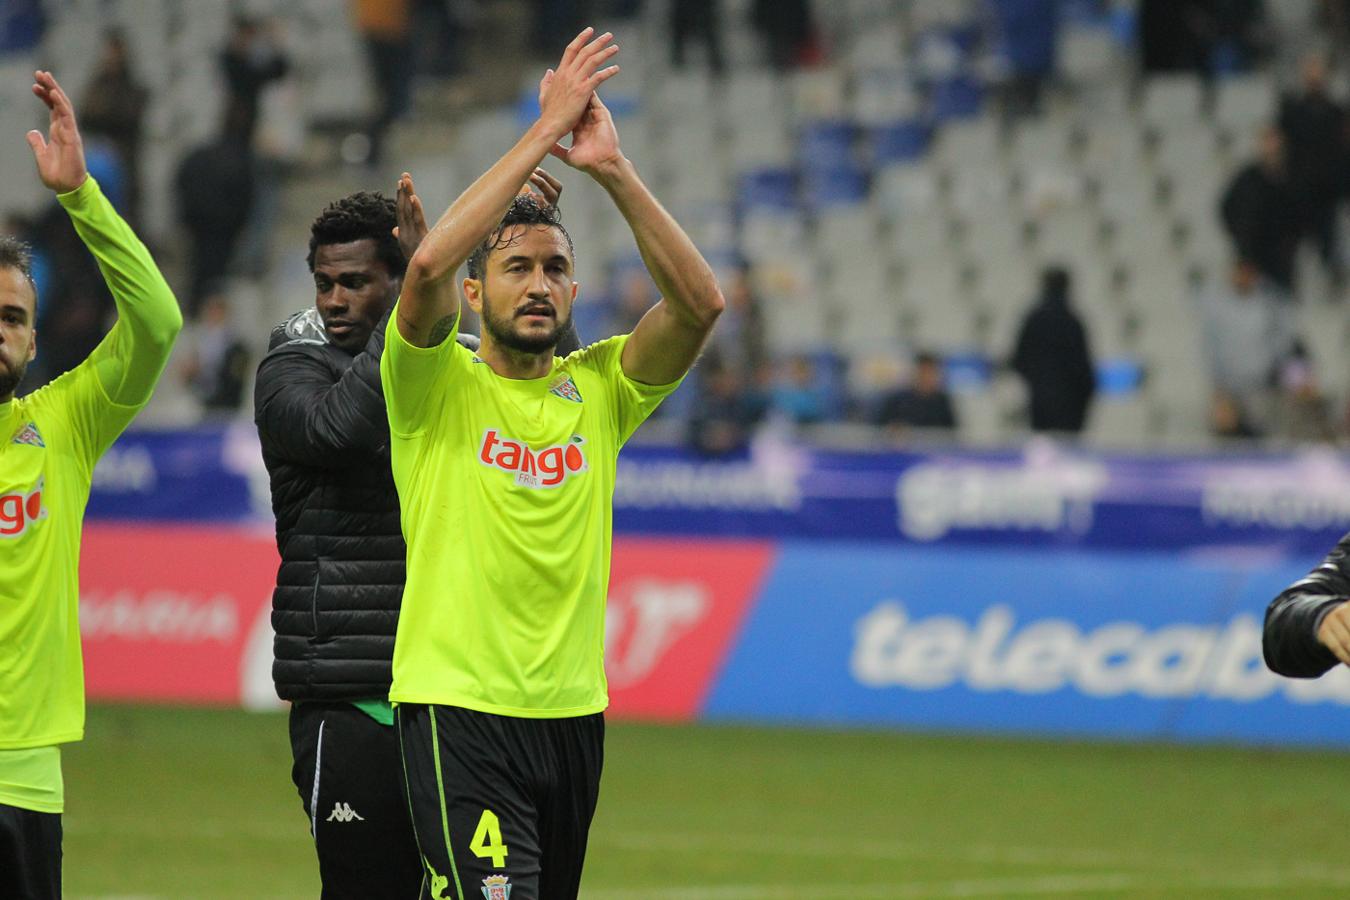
(29, 435)
(497, 887)
(566, 388)
(18, 511)
(544, 468)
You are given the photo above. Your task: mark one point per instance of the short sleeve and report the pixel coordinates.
(633, 400)
(414, 379)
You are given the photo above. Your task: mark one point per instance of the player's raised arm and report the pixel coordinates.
(130, 359)
(668, 339)
(429, 304)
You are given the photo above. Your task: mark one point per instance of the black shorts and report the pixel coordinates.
(350, 778)
(501, 805)
(30, 854)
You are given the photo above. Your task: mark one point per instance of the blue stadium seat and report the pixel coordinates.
(839, 186)
(826, 144)
(771, 188)
(904, 141)
(958, 97)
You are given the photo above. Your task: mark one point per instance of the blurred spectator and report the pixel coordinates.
(726, 411)
(215, 187)
(739, 335)
(1236, 37)
(800, 394)
(1261, 213)
(1314, 126)
(252, 59)
(1053, 358)
(787, 29)
(636, 294)
(218, 365)
(1248, 329)
(1171, 35)
(924, 403)
(113, 108)
(1301, 410)
(1201, 36)
(699, 20)
(386, 29)
(1027, 32)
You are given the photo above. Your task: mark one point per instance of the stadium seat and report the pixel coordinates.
(900, 141)
(1170, 100)
(1243, 103)
(959, 97)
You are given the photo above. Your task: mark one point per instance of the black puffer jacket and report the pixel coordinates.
(1289, 640)
(325, 438)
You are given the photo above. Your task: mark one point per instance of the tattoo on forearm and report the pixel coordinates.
(441, 330)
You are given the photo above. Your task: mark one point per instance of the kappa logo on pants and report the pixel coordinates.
(343, 812)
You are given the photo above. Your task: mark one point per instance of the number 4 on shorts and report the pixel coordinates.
(487, 840)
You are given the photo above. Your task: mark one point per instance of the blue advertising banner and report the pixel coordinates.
(1045, 496)
(1135, 646)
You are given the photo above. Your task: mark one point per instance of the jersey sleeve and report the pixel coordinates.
(633, 400)
(103, 393)
(414, 378)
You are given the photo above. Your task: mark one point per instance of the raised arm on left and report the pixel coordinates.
(131, 357)
(667, 340)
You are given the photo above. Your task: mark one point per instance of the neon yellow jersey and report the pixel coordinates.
(31, 779)
(506, 488)
(49, 443)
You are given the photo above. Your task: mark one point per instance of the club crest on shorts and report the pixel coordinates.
(29, 435)
(566, 388)
(497, 887)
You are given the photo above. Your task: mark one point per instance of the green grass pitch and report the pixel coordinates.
(188, 803)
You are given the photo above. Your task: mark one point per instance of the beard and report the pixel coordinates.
(11, 376)
(503, 332)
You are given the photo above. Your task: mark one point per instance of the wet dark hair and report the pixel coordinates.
(15, 254)
(525, 209)
(357, 217)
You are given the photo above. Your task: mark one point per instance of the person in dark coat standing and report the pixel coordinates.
(1314, 132)
(1053, 357)
(1261, 212)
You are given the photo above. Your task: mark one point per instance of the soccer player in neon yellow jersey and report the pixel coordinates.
(49, 442)
(504, 463)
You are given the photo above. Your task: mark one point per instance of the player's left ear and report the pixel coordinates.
(32, 345)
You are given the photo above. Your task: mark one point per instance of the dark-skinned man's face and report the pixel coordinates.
(352, 290)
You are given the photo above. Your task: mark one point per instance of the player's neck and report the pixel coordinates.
(515, 364)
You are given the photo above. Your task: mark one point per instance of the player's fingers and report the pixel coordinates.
(36, 141)
(577, 43)
(560, 151)
(596, 52)
(602, 76)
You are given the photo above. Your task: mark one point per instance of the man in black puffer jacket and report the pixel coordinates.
(1307, 631)
(321, 418)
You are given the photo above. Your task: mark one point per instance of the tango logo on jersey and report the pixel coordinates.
(566, 388)
(497, 887)
(17, 511)
(29, 435)
(544, 468)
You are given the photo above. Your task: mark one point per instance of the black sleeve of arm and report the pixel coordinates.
(1289, 640)
(306, 416)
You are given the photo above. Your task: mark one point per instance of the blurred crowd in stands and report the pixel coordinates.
(1286, 196)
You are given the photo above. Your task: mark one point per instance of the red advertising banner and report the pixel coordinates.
(176, 613)
(181, 614)
(675, 608)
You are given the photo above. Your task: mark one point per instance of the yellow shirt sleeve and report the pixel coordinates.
(414, 379)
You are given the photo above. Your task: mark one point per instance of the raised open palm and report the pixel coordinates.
(60, 157)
